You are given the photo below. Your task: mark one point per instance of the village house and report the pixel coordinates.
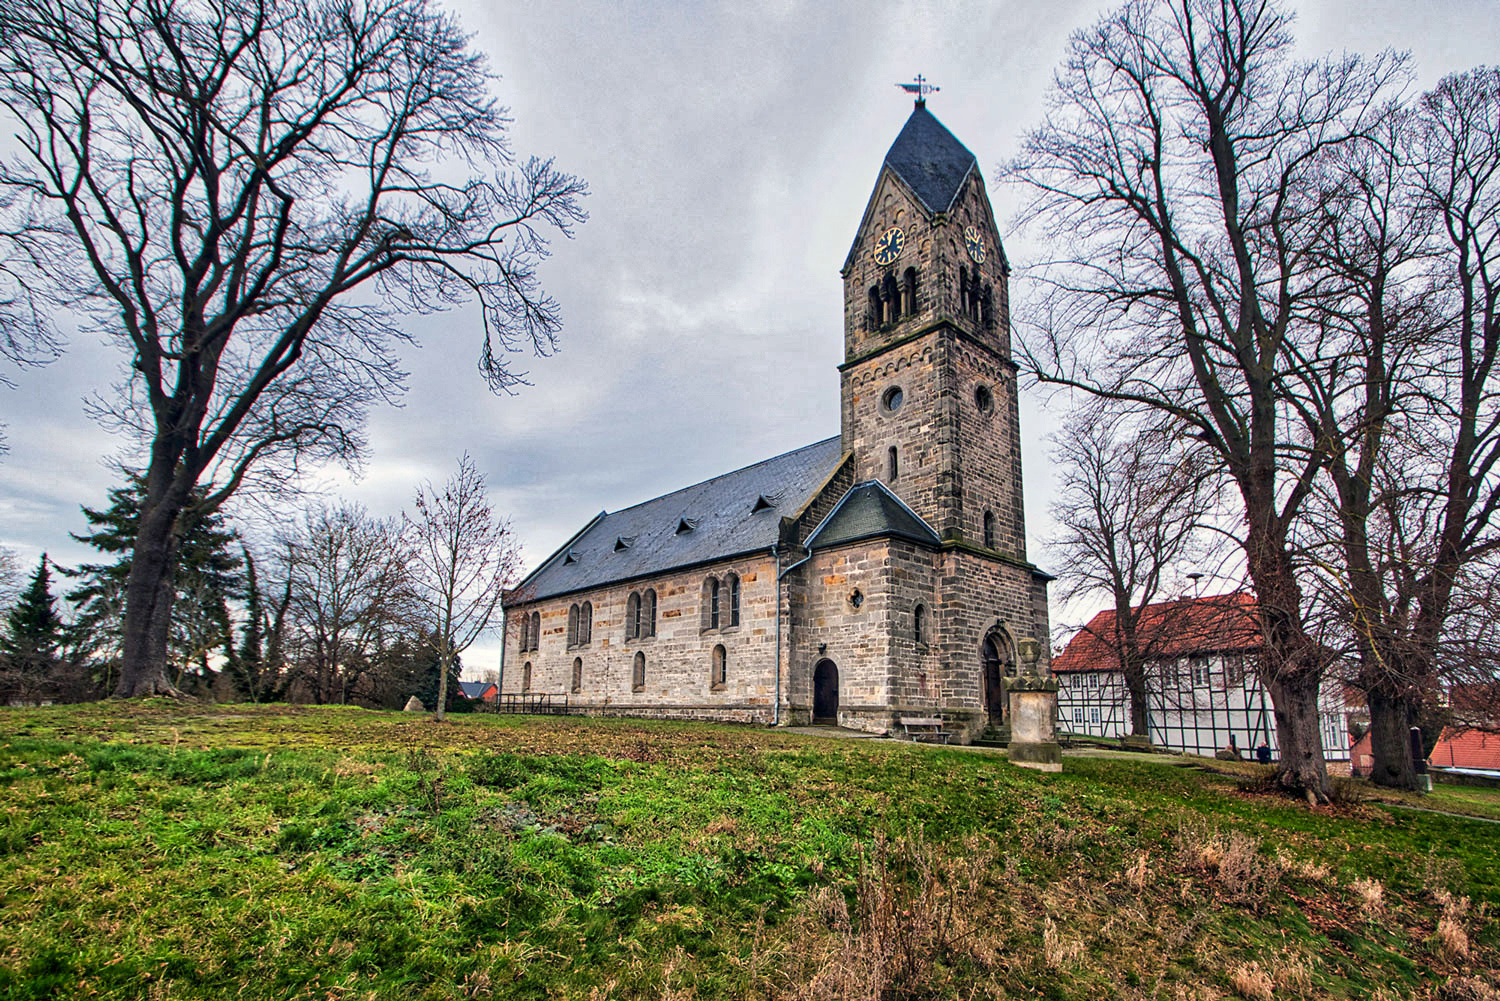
(1202, 692)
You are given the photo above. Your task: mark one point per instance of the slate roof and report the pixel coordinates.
(869, 510)
(719, 517)
(931, 161)
(1212, 624)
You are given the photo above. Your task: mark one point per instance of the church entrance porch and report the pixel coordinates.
(825, 693)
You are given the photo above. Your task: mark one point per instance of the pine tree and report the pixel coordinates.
(33, 631)
(253, 666)
(206, 575)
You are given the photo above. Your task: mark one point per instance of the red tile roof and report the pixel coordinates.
(1467, 749)
(1218, 623)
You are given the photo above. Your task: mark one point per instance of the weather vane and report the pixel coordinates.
(921, 88)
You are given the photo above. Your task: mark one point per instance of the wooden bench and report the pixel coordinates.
(925, 729)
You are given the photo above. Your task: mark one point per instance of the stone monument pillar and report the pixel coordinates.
(1033, 714)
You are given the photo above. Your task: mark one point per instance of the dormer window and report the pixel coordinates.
(572, 557)
(686, 525)
(764, 503)
(624, 542)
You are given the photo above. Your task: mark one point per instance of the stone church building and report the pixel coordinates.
(864, 578)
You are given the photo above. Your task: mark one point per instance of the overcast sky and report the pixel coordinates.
(730, 149)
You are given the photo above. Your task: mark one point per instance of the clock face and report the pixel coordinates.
(974, 243)
(889, 246)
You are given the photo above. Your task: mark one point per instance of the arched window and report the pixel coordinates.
(732, 582)
(638, 673)
(987, 307)
(989, 530)
(648, 614)
(909, 292)
(919, 624)
(633, 616)
(892, 297)
(572, 625)
(585, 623)
(892, 464)
(526, 676)
(963, 291)
(577, 674)
(875, 317)
(718, 669)
(711, 603)
(525, 633)
(536, 630)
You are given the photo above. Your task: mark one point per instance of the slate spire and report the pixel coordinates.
(930, 160)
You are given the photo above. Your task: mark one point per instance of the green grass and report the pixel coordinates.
(159, 850)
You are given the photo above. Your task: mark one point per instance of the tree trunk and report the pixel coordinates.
(149, 591)
(1391, 720)
(1135, 686)
(445, 663)
(1294, 699)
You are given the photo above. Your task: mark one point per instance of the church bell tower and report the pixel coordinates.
(929, 401)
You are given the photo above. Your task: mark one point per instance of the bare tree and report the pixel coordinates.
(1404, 391)
(1179, 163)
(249, 195)
(349, 597)
(1129, 509)
(463, 559)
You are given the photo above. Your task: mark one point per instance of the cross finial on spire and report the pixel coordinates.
(921, 88)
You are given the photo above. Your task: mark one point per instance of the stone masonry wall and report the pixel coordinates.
(678, 657)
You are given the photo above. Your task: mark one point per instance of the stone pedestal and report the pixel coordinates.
(1033, 724)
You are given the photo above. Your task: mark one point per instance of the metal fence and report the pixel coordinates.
(529, 704)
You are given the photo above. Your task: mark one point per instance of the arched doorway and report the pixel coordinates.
(825, 692)
(999, 656)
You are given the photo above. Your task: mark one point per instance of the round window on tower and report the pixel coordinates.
(984, 400)
(890, 401)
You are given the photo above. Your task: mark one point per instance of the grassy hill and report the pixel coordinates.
(163, 851)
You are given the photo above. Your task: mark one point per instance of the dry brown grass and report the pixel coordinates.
(1451, 938)
(1252, 983)
(1371, 894)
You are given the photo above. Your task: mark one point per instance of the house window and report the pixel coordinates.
(1078, 714)
(711, 603)
(1199, 667)
(577, 674)
(989, 530)
(919, 623)
(648, 614)
(572, 625)
(526, 677)
(1093, 715)
(1093, 681)
(718, 669)
(1234, 668)
(638, 673)
(733, 581)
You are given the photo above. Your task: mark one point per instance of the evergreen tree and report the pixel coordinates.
(253, 666)
(29, 644)
(206, 576)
